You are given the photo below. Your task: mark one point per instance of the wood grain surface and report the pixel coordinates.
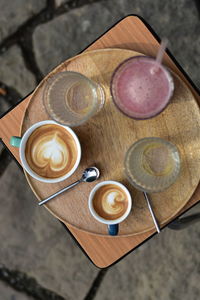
(129, 33)
(106, 137)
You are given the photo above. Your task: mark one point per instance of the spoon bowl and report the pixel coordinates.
(90, 174)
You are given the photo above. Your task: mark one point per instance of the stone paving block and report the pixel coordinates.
(3, 105)
(60, 2)
(15, 13)
(3, 108)
(36, 243)
(68, 34)
(71, 32)
(1, 148)
(166, 267)
(7, 293)
(14, 73)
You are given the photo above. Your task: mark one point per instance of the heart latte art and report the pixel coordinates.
(51, 151)
(110, 202)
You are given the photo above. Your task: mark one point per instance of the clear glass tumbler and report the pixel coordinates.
(152, 164)
(71, 99)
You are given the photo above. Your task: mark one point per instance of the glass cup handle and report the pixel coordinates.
(15, 141)
(113, 229)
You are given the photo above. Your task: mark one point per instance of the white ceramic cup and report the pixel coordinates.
(21, 143)
(113, 225)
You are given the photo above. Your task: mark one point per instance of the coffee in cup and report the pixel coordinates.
(49, 152)
(110, 203)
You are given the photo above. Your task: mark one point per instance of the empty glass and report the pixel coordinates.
(152, 164)
(71, 99)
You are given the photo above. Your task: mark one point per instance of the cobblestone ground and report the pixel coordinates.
(38, 259)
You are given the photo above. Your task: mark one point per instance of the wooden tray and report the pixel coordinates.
(105, 139)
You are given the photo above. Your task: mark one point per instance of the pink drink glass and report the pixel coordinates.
(141, 88)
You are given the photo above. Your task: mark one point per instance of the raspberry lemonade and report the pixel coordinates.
(141, 88)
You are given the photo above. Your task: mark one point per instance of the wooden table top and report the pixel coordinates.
(134, 34)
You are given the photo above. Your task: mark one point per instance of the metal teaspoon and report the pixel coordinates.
(89, 175)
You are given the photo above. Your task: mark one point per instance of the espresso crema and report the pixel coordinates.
(110, 202)
(51, 151)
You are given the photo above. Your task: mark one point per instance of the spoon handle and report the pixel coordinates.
(59, 192)
(151, 211)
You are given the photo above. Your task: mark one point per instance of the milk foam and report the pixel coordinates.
(112, 202)
(52, 151)
(111, 198)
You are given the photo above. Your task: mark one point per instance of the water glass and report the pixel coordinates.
(71, 98)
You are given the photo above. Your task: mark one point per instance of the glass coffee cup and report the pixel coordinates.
(152, 164)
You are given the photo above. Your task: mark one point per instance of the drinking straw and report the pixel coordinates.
(160, 55)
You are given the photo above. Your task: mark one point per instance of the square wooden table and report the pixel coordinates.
(133, 33)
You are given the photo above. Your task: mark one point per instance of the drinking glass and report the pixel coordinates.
(71, 98)
(140, 88)
(152, 164)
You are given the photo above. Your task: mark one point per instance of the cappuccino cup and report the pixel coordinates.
(49, 152)
(110, 203)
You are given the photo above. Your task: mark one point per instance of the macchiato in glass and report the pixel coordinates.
(152, 164)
